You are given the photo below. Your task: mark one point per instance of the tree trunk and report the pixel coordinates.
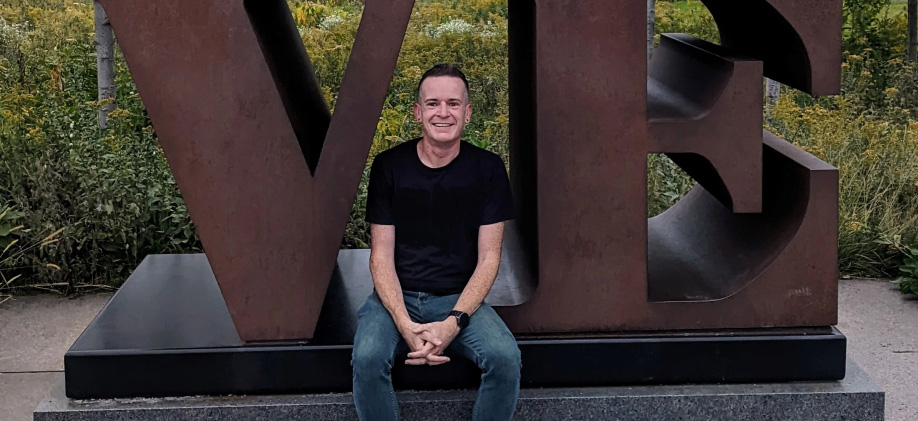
(651, 19)
(105, 42)
(912, 8)
(773, 93)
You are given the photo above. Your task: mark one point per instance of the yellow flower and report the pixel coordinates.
(118, 112)
(36, 134)
(815, 151)
(854, 226)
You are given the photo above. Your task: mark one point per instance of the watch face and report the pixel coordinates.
(462, 319)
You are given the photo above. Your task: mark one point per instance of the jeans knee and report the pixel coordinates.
(503, 363)
(369, 361)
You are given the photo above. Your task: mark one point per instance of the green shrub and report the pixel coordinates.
(689, 17)
(878, 176)
(110, 192)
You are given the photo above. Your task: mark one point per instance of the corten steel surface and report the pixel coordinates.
(753, 246)
(235, 121)
(798, 41)
(705, 111)
(269, 176)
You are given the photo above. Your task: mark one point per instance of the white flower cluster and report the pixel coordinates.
(330, 21)
(487, 32)
(455, 26)
(11, 36)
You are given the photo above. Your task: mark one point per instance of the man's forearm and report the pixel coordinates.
(490, 238)
(385, 280)
(478, 287)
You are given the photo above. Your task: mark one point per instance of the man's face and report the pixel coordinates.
(444, 108)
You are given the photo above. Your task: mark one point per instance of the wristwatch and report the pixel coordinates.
(461, 318)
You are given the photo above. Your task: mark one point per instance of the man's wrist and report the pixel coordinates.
(461, 317)
(402, 322)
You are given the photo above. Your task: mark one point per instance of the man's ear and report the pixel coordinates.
(417, 112)
(468, 113)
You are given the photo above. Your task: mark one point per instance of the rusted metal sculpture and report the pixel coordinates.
(236, 118)
(754, 245)
(269, 176)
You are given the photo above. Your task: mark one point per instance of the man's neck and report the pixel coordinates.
(436, 155)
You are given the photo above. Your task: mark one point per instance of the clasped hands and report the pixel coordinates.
(428, 341)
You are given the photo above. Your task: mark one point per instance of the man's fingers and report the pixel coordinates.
(421, 353)
(417, 329)
(437, 350)
(430, 338)
(414, 341)
(428, 361)
(419, 344)
(437, 359)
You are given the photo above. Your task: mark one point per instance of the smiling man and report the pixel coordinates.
(436, 208)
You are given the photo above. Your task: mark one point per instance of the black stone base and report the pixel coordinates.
(167, 332)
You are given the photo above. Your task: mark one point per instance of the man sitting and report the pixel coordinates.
(436, 208)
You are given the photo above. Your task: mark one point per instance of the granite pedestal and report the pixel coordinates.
(854, 398)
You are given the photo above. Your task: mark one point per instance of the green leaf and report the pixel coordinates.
(6, 229)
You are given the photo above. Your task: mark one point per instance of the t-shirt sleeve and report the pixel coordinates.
(379, 194)
(498, 201)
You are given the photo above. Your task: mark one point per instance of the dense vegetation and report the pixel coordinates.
(80, 206)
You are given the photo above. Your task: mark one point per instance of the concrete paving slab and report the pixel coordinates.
(20, 393)
(36, 331)
(882, 329)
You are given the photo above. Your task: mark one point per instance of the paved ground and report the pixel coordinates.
(882, 331)
(35, 332)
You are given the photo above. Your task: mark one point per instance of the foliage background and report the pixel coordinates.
(111, 199)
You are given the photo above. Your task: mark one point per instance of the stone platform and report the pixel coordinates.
(854, 398)
(167, 332)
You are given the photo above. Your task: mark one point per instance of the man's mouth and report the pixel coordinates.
(442, 125)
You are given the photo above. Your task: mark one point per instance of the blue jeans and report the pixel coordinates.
(486, 341)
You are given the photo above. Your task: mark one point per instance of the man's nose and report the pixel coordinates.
(442, 109)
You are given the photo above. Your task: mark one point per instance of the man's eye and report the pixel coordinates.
(454, 104)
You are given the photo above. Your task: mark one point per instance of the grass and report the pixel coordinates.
(897, 8)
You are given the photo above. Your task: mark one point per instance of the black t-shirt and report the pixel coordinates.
(437, 212)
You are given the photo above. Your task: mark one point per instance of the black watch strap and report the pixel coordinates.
(462, 319)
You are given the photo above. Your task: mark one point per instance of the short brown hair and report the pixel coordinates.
(444, 69)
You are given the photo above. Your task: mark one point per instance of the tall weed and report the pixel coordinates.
(110, 192)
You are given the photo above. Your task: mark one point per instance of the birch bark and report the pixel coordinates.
(105, 42)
